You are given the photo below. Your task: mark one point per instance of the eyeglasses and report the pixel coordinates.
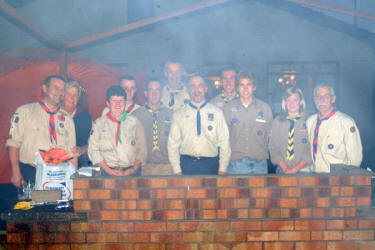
(322, 97)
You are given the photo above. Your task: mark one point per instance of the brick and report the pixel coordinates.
(258, 203)
(102, 237)
(80, 194)
(198, 236)
(224, 182)
(347, 191)
(324, 192)
(216, 246)
(336, 212)
(241, 182)
(350, 212)
(97, 204)
(120, 204)
(96, 184)
(256, 181)
(136, 215)
(363, 180)
(115, 194)
(99, 194)
(77, 237)
(209, 182)
(344, 201)
(308, 191)
(311, 245)
(210, 204)
(279, 246)
(341, 224)
(277, 225)
(184, 182)
(245, 225)
(363, 191)
(341, 245)
(231, 236)
(321, 212)
(213, 226)
(129, 194)
(335, 191)
(117, 246)
(364, 201)
(307, 181)
(305, 213)
(166, 237)
(324, 180)
(257, 213)
(109, 215)
(260, 192)
(287, 181)
(164, 215)
(86, 247)
(118, 227)
(182, 226)
(177, 204)
(177, 246)
(62, 227)
(161, 204)
(207, 214)
(294, 236)
(359, 235)
(272, 181)
(192, 204)
(85, 227)
(317, 235)
(273, 213)
(332, 235)
(150, 227)
(80, 184)
(227, 203)
(192, 214)
(342, 180)
(242, 213)
(222, 214)
(241, 203)
(150, 246)
(144, 194)
(168, 194)
(363, 224)
(366, 245)
(322, 202)
(275, 193)
(291, 203)
(196, 193)
(262, 236)
(158, 182)
(310, 224)
(292, 192)
(246, 246)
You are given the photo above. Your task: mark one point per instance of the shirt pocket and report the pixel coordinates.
(333, 144)
(106, 141)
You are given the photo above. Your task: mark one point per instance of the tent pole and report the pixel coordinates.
(63, 64)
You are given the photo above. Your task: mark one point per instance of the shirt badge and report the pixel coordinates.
(352, 129)
(210, 127)
(16, 119)
(234, 121)
(168, 118)
(210, 117)
(61, 125)
(330, 146)
(186, 101)
(260, 114)
(304, 125)
(61, 118)
(304, 140)
(260, 132)
(133, 143)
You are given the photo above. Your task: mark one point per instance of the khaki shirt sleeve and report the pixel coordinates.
(16, 132)
(223, 143)
(174, 143)
(269, 119)
(273, 147)
(141, 151)
(353, 143)
(93, 145)
(72, 136)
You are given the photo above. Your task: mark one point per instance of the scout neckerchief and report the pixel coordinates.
(316, 131)
(118, 133)
(172, 94)
(52, 130)
(198, 115)
(155, 130)
(225, 98)
(290, 149)
(130, 108)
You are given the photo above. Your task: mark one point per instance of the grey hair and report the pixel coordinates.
(74, 84)
(324, 85)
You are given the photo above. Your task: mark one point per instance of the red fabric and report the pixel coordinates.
(21, 76)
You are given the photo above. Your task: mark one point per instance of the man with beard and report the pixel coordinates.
(39, 125)
(228, 77)
(174, 93)
(156, 120)
(333, 135)
(197, 133)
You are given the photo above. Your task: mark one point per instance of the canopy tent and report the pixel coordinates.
(21, 76)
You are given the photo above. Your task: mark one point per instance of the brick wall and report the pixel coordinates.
(271, 212)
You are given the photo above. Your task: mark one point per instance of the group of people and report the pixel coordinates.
(178, 131)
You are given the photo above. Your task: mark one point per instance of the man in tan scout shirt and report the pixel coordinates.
(228, 77)
(174, 94)
(117, 142)
(156, 120)
(249, 120)
(198, 130)
(39, 125)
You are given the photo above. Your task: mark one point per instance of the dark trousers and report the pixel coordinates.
(138, 173)
(28, 172)
(198, 166)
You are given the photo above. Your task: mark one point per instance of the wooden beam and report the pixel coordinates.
(22, 21)
(64, 64)
(335, 8)
(143, 23)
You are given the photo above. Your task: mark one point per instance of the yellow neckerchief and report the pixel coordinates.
(155, 129)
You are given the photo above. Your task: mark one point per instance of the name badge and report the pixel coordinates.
(260, 120)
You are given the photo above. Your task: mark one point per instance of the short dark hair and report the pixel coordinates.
(228, 68)
(115, 90)
(126, 77)
(47, 80)
(246, 75)
(153, 79)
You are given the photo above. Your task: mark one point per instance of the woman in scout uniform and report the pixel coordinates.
(288, 144)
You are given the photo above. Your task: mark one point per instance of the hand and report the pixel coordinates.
(114, 172)
(179, 173)
(290, 171)
(78, 151)
(222, 173)
(17, 179)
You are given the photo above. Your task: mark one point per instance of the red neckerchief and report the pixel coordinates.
(118, 133)
(52, 130)
(130, 108)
